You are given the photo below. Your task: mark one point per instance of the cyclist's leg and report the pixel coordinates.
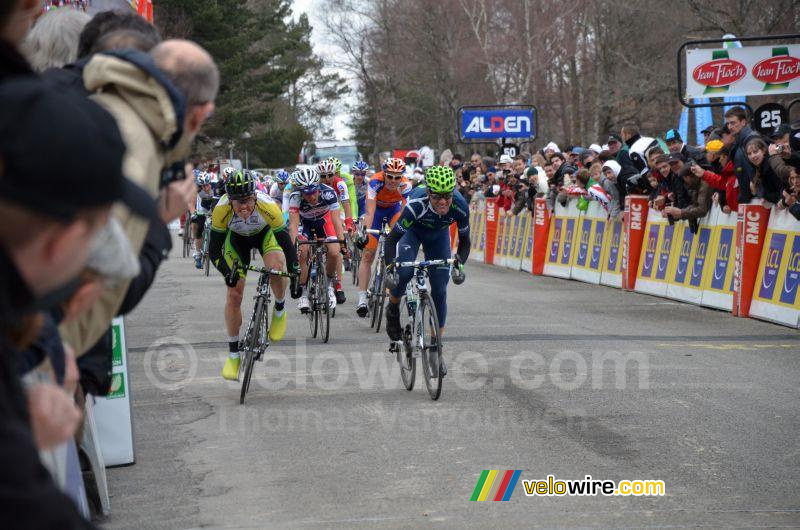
(273, 257)
(407, 249)
(234, 251)
(436, 245)
(198, 223)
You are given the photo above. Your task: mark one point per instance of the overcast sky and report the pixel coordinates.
(323, 48)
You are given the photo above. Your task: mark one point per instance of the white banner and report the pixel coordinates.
(747, 71)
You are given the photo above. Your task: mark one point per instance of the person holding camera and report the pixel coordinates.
(781, 157)
(699, 193)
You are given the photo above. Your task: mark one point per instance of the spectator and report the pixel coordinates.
(550, 149)
(724, 181)
(699, 199)
(16, 19)
(51, 209)
(610, 172)
(445, 157)
(53, 41)
(765, 182)
(661, 179)
(147, 122)
(781, 157)
(791, 193)
(707, 133)
(736, 122)
(107, 22)
(675, 144)
(490, 186)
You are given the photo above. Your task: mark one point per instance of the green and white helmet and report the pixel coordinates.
(440, 179)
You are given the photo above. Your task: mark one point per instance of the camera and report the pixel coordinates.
(779, 149)
(172, 173)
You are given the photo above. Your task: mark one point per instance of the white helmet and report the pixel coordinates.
(307, 179)
(326, 167)
(228, 172)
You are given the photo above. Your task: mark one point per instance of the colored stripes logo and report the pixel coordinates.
(494, 485)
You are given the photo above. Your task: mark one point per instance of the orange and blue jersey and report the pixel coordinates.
(388, 203)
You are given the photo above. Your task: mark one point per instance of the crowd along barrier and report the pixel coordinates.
(775, 296)
(724, 264)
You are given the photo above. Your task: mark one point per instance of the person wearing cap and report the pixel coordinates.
(707, 133)
(781, 157)
(160, 101)
(50, 210)
(699, 195)
(676, 161)
(675, 144)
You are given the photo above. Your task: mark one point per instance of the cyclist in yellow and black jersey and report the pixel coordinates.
(244, 220)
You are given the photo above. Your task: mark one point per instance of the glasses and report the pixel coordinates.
(326, 175)
(393, 177)
(441, 196)
(359, 173)
(309, 193)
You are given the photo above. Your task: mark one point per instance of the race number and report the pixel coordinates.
(768, 116)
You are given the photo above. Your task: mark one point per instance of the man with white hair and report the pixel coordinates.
(53, 41)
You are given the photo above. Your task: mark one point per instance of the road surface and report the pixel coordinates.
(547, 376)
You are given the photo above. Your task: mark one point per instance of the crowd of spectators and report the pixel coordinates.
(735, 165)
(97, 116)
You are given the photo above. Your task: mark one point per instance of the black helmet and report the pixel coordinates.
(240, 185)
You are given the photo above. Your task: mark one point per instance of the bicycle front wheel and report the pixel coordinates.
(252, 344)
(312, 307)
(429, 340)
(324, 309)
(405, 353)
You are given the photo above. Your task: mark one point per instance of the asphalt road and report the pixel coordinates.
(547, 376)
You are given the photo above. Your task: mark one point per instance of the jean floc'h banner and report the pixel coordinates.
(775, 296)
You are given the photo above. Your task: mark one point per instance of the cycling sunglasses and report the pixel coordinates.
(393, 177)
(441, 196)
(309, 191)
(326, 175)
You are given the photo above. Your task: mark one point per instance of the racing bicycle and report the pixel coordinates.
(320, 311)
(206, 241)
(187, 235)
(419, 323)
(256, 338)
(376, 293)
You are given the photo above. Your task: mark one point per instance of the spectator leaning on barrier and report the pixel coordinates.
(790, 194)
(160, 103)
(781, 157)
(765, 183)
(50, 211)
(736, 122)
(724, 180)
(699, 198)
(610, 173)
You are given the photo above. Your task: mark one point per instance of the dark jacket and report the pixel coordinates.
(12, 63)
(28, 496)
(768, 184)
(742, 167)
(694, 153)
(700, 199)
(783, 166)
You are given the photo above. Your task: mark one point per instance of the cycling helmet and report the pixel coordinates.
(202, 179)
(241, 185)
(282, 177)
(359, 167)
(227, 173)
(337, 164)
(326, 167)
(394, 165)
(307, 180)
(293, 178)
(440, 179)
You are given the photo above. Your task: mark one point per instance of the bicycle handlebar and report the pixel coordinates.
(261, 270)
(425, 263)
(321, 242)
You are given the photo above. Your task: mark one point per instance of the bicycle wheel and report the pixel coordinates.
(377, 283)
(187, 238)
(324, 310)
(405, 358)
(356, 264)
(312, 307)
(428, 336)
(251, 347)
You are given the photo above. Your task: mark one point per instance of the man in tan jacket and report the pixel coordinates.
(160, 101)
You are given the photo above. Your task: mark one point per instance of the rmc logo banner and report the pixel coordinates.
(496, 123)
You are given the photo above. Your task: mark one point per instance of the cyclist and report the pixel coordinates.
(387, 191)
(327, 175)
(206, 200)
(359, 172)
(244, 220)
(280, 191)
(426, 220)
(314, 211)
(348, 180)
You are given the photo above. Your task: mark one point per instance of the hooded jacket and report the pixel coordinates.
(149, 112)
(742, 167)
(700, 197)
(612, 189)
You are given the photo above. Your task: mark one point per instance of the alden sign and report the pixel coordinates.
(747, 71)
(497, 123)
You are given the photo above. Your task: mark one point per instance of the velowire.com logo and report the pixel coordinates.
(495, 485)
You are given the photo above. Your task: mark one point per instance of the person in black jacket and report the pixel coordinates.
(736, 121)
(765, 182)
(675, 144)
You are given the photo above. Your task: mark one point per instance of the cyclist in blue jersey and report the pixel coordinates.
(426, 221)
(359, 172)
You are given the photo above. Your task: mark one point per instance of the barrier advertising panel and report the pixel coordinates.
(561, 241)
(718, 282)
(775, 297)
(635, 217)
(587, 259)
(492, 218)
(654, 259)
(611, 274)
(541, 235)
(751, 228)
